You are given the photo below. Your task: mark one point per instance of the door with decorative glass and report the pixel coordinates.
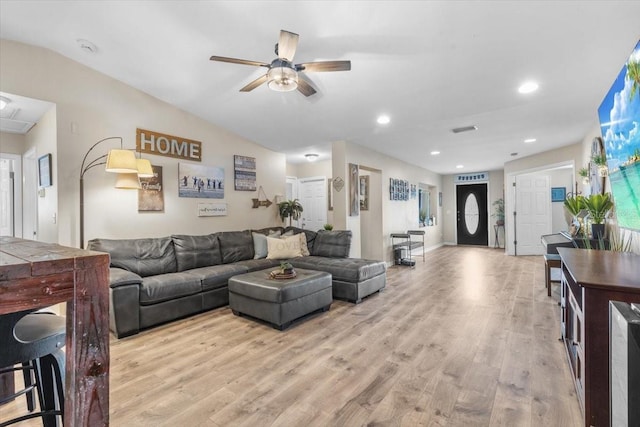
(472, 214)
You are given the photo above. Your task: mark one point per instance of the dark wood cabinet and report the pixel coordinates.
(590, 279)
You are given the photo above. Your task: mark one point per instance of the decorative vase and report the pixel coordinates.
(597, 231)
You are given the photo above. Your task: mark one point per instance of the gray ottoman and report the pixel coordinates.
(279, 302)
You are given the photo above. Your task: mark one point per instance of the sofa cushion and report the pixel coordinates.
(166, 287)
(260, 249)
(332, 244)
(352, 270)
(217, 276)
(269, 230)
(146, 257)
(196, 251)
(235, 246)
(258, 264)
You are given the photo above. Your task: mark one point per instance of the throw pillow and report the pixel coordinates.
(287, 233)
(283, 248)
(260, 244)
(304, 249)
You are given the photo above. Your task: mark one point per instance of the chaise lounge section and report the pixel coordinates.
(157, 280)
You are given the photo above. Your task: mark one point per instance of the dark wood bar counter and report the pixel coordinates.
(34, 275)
(590, 279)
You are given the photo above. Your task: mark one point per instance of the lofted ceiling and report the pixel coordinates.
(431, 66)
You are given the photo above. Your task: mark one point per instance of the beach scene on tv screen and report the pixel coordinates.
(619, 116)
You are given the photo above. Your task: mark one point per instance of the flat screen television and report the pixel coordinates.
(619, 116)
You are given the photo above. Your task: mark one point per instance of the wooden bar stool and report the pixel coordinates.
(550, 261)
(34, 341)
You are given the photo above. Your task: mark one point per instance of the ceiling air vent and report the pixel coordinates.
(464, 129)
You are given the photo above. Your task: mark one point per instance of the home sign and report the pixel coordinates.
(168, 145)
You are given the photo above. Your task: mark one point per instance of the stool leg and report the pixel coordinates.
(28, 381)
(547, 278)
(51, 389)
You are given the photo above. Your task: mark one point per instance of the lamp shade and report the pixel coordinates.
(144, 168)
(128, 181)
(121, 161)
(282, 79)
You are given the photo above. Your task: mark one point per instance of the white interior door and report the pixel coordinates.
(533, 213)
(313, 198)
(7, 196)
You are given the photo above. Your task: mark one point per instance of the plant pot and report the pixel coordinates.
(500, 222)
(597, 231)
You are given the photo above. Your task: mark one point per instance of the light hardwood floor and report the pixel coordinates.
(468, 338)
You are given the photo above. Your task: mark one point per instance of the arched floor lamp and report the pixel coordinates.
(120, 161)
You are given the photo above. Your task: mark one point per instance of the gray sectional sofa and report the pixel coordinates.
(156, 280)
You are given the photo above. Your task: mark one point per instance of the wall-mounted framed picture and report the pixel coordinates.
(244, 173)
(151, 193)
(558, 194)
(44, 171)
(364, 193)
(200, 181)
(354, 190)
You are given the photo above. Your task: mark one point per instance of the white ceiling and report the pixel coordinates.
(431, 66)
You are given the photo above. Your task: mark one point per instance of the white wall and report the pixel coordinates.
(92, 106)
(559, 218)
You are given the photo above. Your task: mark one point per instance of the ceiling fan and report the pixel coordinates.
(283, 75)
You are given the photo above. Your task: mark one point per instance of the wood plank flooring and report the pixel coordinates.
(468, 338)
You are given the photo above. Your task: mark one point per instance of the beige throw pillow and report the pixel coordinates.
(284, 247)
(304, 249)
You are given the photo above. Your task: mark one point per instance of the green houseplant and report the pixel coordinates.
(422, 217)
(290, 209)
(328, 227)
(598, 206)
(574, 205)
(498, 207)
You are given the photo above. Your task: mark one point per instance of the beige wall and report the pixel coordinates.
(42, 138)
(394, 216)
(12, 143)
(92, 106)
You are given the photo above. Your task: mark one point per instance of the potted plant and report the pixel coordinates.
(286, 267)
(584, 173)
(574, 205)
(290, 209)
(423, 217)
(498, 207)
(328, 227)
(598, 206)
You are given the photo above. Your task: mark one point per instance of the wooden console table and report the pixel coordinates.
(35, 275)
(590, 279)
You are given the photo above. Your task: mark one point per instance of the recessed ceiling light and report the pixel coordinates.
(383, 120)
(459, 166)
(530, 140)
(435, 153)
(528, 87)
(311, 157)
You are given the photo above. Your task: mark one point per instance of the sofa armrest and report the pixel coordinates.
(119, 277)
(124, 307)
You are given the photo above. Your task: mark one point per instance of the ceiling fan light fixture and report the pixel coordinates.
(282, 79)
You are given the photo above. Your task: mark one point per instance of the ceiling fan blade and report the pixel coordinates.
(254, 84)
(304, 87)
(238, 61)
(287, 45)
(324, 66)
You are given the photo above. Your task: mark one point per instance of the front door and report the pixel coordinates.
(313, 198)
(472, 219)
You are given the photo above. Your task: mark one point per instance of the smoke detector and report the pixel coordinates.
(464, 129)
(86, 46)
